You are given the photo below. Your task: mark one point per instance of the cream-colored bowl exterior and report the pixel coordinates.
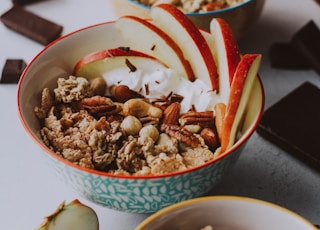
(124, 193)
(241, 18)
(226, 213)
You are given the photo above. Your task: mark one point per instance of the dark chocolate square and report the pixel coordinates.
(26, 2)
(31, 25)
(285, 56)
(307, 43)
(293, 124)
(12, 70)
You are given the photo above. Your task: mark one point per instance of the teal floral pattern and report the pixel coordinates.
(143, 195)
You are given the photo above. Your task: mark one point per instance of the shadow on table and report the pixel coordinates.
(266, 172)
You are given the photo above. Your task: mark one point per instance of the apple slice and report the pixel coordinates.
(193, 44)
(242, 82)
(74, 215)
(108, 53)
(97, 64)
(226, 53)
(144, 36)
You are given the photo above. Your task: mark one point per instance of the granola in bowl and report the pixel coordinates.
(195, 6)
(139, 136)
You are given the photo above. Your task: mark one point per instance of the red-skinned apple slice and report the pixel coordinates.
(96, 64)
(109, 53)
(193, 44)
(142, 35)
(74, 215)
(227, 55)
(241, 85)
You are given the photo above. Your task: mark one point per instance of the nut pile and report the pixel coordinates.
(125, 133)
(193, 6)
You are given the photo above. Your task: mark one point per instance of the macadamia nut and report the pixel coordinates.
(149, 131)
(131, 125)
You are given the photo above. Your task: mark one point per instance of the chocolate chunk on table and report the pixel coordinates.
(285, 56)
(293, 124)
(307, 42)
(12, 70)
(25, 2)
(31, 25)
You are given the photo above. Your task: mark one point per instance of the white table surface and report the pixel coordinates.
(29, 190)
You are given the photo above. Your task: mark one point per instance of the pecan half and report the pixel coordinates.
(181, 134)
(98, 105)
(204, 119)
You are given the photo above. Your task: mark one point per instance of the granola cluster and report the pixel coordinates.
(137, 136)
(193, 6)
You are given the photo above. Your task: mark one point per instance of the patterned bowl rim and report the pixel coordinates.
(240, 142)
(231, 8)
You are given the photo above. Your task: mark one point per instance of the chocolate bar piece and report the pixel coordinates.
(307, 42)
(12, 70)
(285, 56)
(31, 25)
(293, 124)
(25, 2)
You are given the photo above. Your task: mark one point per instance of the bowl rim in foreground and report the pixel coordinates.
(177, 206)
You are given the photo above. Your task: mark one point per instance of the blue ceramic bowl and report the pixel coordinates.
(241, 18)
(125, 193)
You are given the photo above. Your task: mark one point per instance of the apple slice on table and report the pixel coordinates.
(227, 55)
(144, 36)
(244, 76)
(98, 63)
(193, 44)
(74, 215)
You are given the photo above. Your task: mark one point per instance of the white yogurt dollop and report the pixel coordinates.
(161, 81)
